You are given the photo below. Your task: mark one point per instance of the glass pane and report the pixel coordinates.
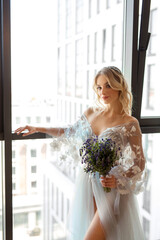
(151, 90)
(40, 202)
(33, 62)
(149, 200)
(52, 79)
(1, 212)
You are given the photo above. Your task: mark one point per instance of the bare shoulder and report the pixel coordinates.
(89, 111)
(129, 118)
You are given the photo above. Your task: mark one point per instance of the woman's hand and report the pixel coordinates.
(108, 181)
(30, 130)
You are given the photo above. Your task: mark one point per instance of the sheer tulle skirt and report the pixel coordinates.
(125, 226)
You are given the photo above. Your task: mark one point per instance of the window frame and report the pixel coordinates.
(148, 124)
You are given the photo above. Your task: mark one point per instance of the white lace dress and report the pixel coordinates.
(118, 209)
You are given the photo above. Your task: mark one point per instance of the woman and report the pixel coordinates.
(96, 214)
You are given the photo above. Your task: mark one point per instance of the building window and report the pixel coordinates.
(95, 47)
(104, 46)
(48, 119)
(79, 16)
(18, 120)
(59, 62)
(38, 119)
(68, 70)
(33, 153)
(98, 6)
(21, 219)
(28, 120)
(153, 29)
(151, 85)
(88, 49)
(13, 186)
(68, 18)
(107, 3)
(33, 169)
(147, 194)
(87, 86)
(113, 43)
(60, 27)
(146, 228)
(33, 184)
(13, 170)
(89, 8)
(13, 154)
(148, 147)
(79, 65)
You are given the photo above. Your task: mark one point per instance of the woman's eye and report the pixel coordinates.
(108, 86)
(98, 88)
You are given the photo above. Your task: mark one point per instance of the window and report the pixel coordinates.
(33, 169)
(68, 18)
(48, 119)
(68, 69)
(147, 194)
(38, 119)
(95, 47)
(98, 6)
(60, 65)
(79, 16)
(39, 59)
(153, 30)
(113, 43)
(34, 184)
(13, 170)
(88, 49)
(13, 153)
(18, 120)
(33, 153)
(79, 65)
(104, 45)
(28, 120)
(89, 8)
(146, 227)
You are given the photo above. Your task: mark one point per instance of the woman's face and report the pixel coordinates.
(105, 92)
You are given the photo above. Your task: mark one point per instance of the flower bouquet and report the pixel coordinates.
(99, 155)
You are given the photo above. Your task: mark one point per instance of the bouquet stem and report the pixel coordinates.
(106, 189)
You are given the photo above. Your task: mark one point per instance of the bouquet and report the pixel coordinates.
(99, 155)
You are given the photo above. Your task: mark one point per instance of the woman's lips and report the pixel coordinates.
(105, 97)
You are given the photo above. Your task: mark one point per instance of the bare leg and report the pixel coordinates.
(95, 230)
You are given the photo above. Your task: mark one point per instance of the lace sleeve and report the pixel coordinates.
(130, 172)
(68, 143)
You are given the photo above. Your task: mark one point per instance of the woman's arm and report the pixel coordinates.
(56, 132)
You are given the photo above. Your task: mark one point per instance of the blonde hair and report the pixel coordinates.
(117, 82)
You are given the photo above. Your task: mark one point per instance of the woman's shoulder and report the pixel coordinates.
(91, 110)
(132, 124)
(131, 119)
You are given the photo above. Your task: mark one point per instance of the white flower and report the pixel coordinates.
(136, 169)
(133, 129)
(63, 157)
(56, 145)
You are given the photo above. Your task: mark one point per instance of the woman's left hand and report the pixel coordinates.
(108, 181)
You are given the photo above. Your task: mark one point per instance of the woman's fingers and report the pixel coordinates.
(108, 181)
(30, 130)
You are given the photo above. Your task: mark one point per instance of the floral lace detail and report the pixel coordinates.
(69, 143)
(130, 170)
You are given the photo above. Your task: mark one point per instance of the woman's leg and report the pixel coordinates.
(95, 230)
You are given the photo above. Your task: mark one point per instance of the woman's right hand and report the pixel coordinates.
(30, 130)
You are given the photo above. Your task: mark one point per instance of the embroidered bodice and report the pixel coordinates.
(129, 172)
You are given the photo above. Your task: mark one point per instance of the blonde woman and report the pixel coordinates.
(96, 214)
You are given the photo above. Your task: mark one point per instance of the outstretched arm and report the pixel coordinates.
(56, 132)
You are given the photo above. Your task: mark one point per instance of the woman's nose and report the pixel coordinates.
(103, 91)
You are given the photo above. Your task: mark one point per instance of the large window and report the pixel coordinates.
(151, 90)
(57, 47)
